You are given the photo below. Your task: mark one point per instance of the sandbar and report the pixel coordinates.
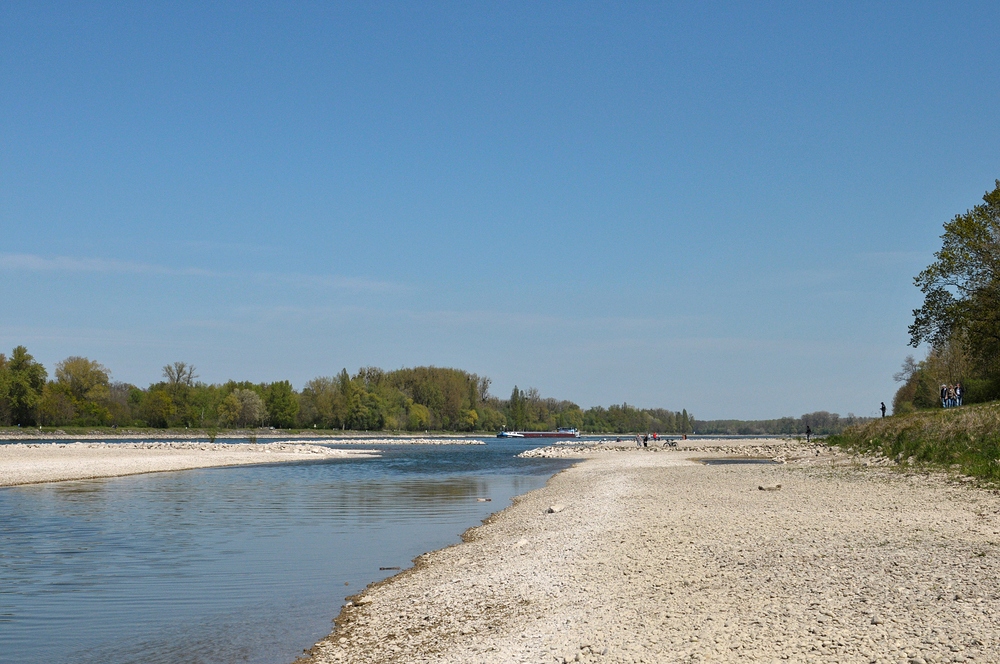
(651, 556)
(32, 463)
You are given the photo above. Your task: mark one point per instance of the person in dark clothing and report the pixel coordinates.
(809, 433)
(883, 409)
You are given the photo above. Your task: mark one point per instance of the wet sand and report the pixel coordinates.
(53, 462)
(647, 556)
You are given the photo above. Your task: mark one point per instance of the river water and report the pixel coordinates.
(226, 565)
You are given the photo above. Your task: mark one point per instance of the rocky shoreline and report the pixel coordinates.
(636, 555)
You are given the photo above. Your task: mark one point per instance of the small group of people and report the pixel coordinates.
(951, 395)
(644, 440)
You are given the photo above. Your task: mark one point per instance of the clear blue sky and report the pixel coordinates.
(711, 206)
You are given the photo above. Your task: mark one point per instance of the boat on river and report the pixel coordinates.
(558, 433)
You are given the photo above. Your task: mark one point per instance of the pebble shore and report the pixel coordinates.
(30, 463)
(636, 555)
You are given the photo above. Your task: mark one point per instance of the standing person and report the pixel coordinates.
(809, 433)
(645, 440)
(638, 441)
(951, 396)
(958, 394)
(883, 409)
(944, 395)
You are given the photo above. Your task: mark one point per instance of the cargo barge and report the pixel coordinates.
(559, 433)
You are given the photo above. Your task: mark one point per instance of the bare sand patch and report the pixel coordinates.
(31, 463)
(651, 557)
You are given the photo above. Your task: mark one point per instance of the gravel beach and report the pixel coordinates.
(648, 556)
(30, 463)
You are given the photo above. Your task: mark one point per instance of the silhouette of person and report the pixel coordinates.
(883, 409)
(809, 433)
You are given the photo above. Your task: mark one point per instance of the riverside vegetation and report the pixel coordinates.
(82, 394)
(960, 320)
(960, 316)
(966, 439)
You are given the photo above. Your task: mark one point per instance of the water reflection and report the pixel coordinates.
(229, 565)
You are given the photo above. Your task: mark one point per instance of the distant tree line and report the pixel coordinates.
(81, 392)
(960, 315)
(820, 422)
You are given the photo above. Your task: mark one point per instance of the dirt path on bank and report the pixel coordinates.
(649, 557)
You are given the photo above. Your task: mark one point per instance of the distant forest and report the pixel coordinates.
(82, 393)
(820, 422)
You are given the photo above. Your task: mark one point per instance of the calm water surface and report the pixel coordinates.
(228, 565)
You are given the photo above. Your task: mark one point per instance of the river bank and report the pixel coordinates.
(965, 438)
(32, 463)
(641, 556)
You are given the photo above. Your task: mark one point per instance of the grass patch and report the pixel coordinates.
(967, 438)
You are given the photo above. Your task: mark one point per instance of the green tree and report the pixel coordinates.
(158, 407)
(318, 404)
(517, 410)
(179, 385)
(570, 417)
(83, 379)
(87, 383)
(242, 407)
(24, 382)
(490, 418)
(282, 406)
(4, 391)
(418, 417)
(962, 286)
(56, 407)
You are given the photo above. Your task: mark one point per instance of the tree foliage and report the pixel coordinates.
(625, 419)
(281, 404)
(820, 422)
(947, 364)
(243, 407)
(962, 286)
(413, 399)
(22, 382)
(960, 315)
